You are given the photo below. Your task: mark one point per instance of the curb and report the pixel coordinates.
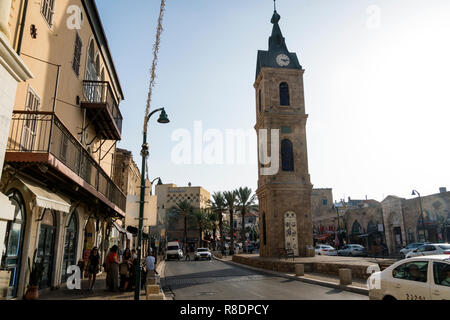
(333, 285)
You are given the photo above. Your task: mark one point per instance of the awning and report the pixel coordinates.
(45, 198)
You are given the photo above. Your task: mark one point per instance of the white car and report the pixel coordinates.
(325, 250)
(430, 249)
(202, 253)
(418, 278)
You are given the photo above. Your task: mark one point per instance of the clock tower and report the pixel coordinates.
(284, 187)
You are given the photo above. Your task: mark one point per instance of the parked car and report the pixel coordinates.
(418, 278)
(410, 247)
(430, 249)
(352, 250)
(202, 253)
(174, 250)
(325, 250)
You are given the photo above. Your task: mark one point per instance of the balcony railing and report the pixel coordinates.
(43, 132)
(100, 93)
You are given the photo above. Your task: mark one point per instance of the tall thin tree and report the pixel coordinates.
(245, 203)
(219, 207)
(231, 202)
(183, 209)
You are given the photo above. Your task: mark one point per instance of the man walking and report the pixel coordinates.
(187, 257)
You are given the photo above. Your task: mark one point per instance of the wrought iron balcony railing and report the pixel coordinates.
(99, 99)
(43, 132)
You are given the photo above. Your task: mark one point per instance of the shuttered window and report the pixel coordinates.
(48, 10)
(77, 55)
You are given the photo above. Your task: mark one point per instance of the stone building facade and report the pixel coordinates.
(168, 195)
(284, 187)
(62, 135)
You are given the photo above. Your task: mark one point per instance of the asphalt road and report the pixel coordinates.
(216, 280)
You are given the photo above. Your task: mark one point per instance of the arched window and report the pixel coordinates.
(11, 235)
(259, 101)
(284, 94)
(287, 155)
(70, 246)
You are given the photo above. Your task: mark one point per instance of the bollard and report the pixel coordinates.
(345, 276)
(299, 269)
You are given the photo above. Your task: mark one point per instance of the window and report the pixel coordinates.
(259, 101)
(33, 104)
(287, 155)
(48, 10)
(441, 273)
(284, 94)
(77, 55)
(413, 271)
(324, 202)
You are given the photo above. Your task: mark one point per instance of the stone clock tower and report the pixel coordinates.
(284, 187)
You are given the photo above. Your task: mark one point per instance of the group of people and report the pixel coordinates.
(120, 273)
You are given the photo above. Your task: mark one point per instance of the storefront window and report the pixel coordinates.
(70, 246)
(11, 237)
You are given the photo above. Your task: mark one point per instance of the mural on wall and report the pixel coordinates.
(290, 232)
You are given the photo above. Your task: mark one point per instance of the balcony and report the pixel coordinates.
(41, 138)
(102, 109)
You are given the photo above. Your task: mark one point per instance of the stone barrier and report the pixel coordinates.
(345, 276)
(299, 269)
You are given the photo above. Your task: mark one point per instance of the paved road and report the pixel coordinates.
(215, 280)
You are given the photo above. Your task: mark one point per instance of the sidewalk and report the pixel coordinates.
(357, 286)
(99, 292)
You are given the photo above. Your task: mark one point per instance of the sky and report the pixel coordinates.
(376, 84)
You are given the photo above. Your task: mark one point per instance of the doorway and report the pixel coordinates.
(70, 247)
(46, 246)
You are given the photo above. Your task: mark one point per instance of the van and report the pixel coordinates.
(173, 250)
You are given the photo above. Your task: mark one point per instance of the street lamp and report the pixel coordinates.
(144, 153)
(415, 192)
(153, 181)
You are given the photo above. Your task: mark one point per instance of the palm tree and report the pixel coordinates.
(245, 203)
(184, 210)
(231, 202)
(218, 207)
(203, 222)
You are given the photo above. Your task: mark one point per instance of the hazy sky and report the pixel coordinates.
(377, 86)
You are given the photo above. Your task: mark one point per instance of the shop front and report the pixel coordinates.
(70, 246)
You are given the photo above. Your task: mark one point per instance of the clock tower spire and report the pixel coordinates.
(284, 187)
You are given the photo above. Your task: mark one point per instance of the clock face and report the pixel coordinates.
(283, 60)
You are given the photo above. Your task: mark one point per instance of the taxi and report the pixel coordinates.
(418, 278)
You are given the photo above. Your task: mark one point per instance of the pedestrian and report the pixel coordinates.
(93, 267)
(133, 254)
(187, 257)
(150, 263)
(112, 269)
(125, 267)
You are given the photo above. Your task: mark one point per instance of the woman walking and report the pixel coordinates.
(93, 267)
(112, 269)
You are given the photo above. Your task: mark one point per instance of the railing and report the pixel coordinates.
(43, 132)
(101, 92)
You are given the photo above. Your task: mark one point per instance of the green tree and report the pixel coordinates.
(219, 207)
(245, 203)
(203, 222)
(183, 209)
(231, 202)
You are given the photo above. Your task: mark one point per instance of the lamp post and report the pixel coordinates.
(414, 192)
(144, 153)
(151, 183)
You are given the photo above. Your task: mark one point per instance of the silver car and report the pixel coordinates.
(353, 250)
(410, 247)
(430, 249)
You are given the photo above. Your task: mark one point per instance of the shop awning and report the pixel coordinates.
(45, 198)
